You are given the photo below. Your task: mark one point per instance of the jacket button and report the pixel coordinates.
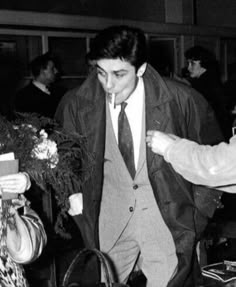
(135, 186)
(131, 209)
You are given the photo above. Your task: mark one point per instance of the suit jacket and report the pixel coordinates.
(170, 107)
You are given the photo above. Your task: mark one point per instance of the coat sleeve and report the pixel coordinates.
(201, 122)
(66, 113)
(34, 238)
(202, 128)
(213, 166)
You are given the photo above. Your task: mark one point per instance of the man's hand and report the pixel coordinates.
(14, 183)
(76, 204)
(159, 141)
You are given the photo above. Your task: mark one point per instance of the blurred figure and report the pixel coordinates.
(205, 78)
(40, 95)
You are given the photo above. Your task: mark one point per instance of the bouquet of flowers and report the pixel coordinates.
(55, 160)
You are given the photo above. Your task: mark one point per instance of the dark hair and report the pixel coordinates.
(41, 62)
(121, 42)
(198, 53)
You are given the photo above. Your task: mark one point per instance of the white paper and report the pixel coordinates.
(7, 156)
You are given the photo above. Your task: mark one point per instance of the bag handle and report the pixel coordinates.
(82, 254)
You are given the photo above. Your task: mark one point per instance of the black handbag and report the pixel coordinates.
(77, 263)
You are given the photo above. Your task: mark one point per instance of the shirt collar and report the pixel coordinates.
(41, 86)
(134, 97)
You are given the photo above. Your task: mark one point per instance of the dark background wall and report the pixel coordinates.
(216, 12)
(150, 10)
(202, 12)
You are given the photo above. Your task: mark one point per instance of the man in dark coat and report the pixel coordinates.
(41, 95)
(155, 218)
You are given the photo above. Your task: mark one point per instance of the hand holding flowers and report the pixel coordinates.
(14, 183)
(56, 161)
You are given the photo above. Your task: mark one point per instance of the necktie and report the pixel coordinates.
(125, 140)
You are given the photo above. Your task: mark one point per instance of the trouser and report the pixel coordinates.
(146, 240)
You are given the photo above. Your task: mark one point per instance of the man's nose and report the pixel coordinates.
(109, 82)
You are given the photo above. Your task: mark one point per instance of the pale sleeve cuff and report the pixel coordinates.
(76, 204)
(170, 149)
(28, 184)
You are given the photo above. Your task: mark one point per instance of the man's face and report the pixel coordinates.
(50, 73)
(117, 77)
(194, 68)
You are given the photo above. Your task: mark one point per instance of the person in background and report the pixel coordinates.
(204, 76)
(40, 95)
(136, 208)
(213, 166)
(24, 238)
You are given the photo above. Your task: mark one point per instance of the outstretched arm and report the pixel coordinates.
(213, 166)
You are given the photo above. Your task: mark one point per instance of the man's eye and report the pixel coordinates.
(120, 75)
(101, 73)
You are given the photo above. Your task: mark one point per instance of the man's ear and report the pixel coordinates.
(141, 69)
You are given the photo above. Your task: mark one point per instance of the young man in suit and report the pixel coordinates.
(135, 207)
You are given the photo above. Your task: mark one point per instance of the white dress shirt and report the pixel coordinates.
(134, 111)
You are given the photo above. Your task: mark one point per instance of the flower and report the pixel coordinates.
(46, 149)
(56, 161)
